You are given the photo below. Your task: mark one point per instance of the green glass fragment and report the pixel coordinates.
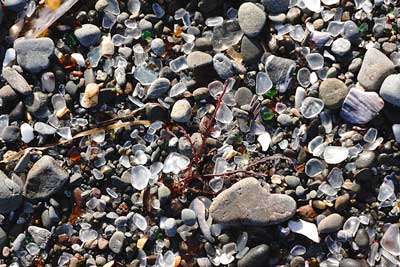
(267, 114)
(271, 93)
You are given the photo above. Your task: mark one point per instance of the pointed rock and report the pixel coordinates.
(45, 178)
(10, 194)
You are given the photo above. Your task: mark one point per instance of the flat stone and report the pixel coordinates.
(390, 89)
(251, 50)
(10, 194)
(256, 257)
(16, 81)
(33, 55)
(158, 87)
(88, 35)
(243, 96)
(375, 68)
(181, 111)
(116, 242)
(341, 47)
(333, 92)
(360, 107)
(251, 27)
(248, 203)
(330, 224)
(45, 178)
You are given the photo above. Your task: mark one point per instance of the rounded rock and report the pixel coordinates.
(188, 217)
(333, 92)
(330, 224)
(390, 89)
(158, 87)
(158, 46)
(256, 257)
(181, 111)
(341, 46)
(251, 27)
(88, 35)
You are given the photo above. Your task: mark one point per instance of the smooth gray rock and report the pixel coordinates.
(256, 257)
(330, 224)
(333, 92)
(375, 68)
(45, 178)
(10, 194)
(188, 217)
(16, 81)
(116, 242)
(251, 50)
(365, 159)
(198, 59)
(181, 111)
(360, 107)
(33, 55)
(292, 181)
(243, 96)
(248, 203)
(362, 238)
(10, 134)
(88, 35)
(251, 19)
(276, 6)
(390, 89)
(158, 87)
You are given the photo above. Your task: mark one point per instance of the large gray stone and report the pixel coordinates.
(116, 242)
(280, 71)
(158, 87)
(375, 68)
(10, 194)
(16, 81)
(33, 55)
(45, 178)
(330, 224)
(390, 89)
(251, 19)
(333, 91)
(248, 203)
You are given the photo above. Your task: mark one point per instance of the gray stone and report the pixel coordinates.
(293, 15)
(223, 66)
(362, 238)
(14, 5)
(145, 25)
(181, 111)
(45, 178)
(116, 242)
(203, 44)
(36, 104)
(10, 194)
(330, 224)
(360, 107)
(251, 19)
(285, 120)
(188, 217)
(292, 181)
(88, 35)
(243, 96)
(276, 6)
(33, 55)
(341, 46)
(201, 63)
(10, 134)
(16, 81)
(158, 87)
(390, 89)
(333, 92)
(375, 68)
(249, 203)
(8, 98)
(251, 50)
(365, 159)
(256, 257)
(280, 71)
(355, 65)
(158, 46)
(297, 261)
(201, 93)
